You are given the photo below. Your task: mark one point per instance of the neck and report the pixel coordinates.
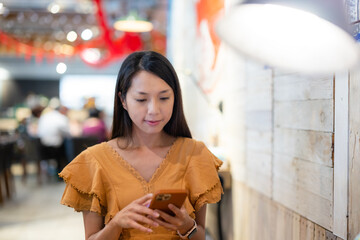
(150, 140)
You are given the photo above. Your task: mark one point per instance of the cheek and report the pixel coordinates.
(133, 110)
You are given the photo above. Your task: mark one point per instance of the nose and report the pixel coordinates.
(153, 107)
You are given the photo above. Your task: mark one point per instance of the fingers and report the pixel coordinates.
(144, 198)
(177, 211)
(133, 217)
(137, 213)
(170, 221)
(165, 224)
(179, 221)
(146, 220)
(140, 227)
(145, 211)
(140, 205)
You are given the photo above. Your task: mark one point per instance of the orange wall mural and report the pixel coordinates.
(208, 12)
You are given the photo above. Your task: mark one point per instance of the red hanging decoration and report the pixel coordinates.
(113, 49)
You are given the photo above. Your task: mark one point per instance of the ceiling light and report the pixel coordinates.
(71, 36)
(309, 36)
(132, 23)
(91, 55)
(87, 34)
(54, 8)
(61, 68)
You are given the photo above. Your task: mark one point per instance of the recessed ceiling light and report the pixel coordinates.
(61, 68)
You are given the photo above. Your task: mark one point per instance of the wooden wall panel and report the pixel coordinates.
(319, 233)
(312, 146)
(259, 217)
(303, 149)
(306, 229)
(259, 99)
(233, 131)
(258, 111)
(300, 87)
(289, 135)
(306, 115)
(313, 177)
(354, 154)
(259, 141)
(259, 120)
(341, 154)
(304, 202)
(296, 227)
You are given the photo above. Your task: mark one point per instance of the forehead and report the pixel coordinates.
(148, 83)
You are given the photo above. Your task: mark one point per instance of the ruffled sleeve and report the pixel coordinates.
(202, 178)
(84, 185)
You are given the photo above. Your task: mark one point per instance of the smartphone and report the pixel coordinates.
(163, 198)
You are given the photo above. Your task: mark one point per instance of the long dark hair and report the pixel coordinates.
(157, 64)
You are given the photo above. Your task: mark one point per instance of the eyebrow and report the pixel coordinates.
(144, 93)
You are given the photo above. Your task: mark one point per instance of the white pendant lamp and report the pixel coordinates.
(133, 23)
(309, 36)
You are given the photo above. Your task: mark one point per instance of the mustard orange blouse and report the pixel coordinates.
(101, 181)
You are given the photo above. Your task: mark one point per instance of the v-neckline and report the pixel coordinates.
(135, 172)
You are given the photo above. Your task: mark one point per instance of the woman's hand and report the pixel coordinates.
(181, 221)
(136, 213)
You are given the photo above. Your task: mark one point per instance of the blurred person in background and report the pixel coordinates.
(94, 126)
(53, 128)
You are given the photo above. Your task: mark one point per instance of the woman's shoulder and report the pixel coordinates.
(89, 154)
(192, 143)
(96, 147)
(198, 149)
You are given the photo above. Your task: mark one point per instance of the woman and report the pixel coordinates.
(150, 149)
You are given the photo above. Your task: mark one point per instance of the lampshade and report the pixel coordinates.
(310, 36)
(132, 23)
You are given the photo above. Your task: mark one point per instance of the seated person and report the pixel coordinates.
(94, 126)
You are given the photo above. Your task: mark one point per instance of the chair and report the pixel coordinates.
(79, 144)
(6, 160)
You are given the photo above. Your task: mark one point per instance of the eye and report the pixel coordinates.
(140, 100)
(164, 98)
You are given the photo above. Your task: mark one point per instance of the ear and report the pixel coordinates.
(123, 100)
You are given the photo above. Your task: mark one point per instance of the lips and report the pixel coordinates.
(152, 123)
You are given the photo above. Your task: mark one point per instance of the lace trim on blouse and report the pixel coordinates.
(135, 172)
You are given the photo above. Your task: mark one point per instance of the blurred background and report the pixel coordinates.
(274, 97)
(59, 55)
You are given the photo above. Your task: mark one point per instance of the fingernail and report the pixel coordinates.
(156, 224)
(156, 214)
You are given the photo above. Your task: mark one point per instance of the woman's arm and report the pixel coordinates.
(200, 217)
(129, 217)
(94, 227)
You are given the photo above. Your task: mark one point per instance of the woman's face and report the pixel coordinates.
(149, 102)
